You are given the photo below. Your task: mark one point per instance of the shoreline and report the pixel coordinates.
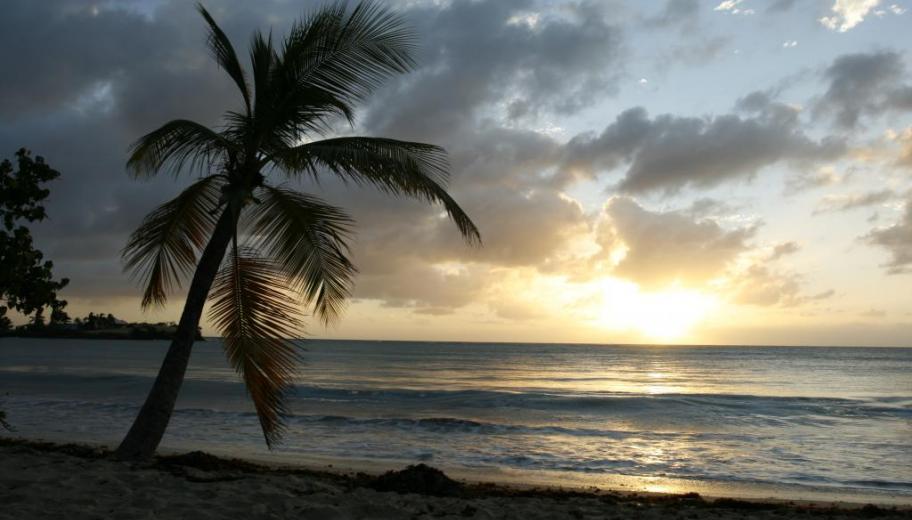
(354, 491)
(657, 486)
(747, 491)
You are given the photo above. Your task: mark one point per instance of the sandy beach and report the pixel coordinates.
(51, 481)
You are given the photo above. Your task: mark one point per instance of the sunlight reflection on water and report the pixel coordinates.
(836, 418)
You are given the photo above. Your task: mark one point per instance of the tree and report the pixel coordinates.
(26, 281)
(294, 251)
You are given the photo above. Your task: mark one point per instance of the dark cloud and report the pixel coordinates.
(900, 98)
(58, 53)
(897, 239)
(510, 53)
(865, 84)
(690, 42)
(668, 153)
(664, 248)
(85, 79)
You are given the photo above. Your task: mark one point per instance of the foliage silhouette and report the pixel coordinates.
(26, 280)
(286, 248)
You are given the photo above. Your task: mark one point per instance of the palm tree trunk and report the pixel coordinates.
(149, 426)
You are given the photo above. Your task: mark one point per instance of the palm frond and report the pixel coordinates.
(257, 318)
(330, 60)
(307, 238)
(262, 61)
(398, 167)
(349, 53)
(224, 54)
(177, 143)
(164, 248)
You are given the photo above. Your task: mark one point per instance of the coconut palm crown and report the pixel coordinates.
(287, 250)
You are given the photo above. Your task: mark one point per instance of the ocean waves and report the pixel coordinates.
(676, 407)
(836, 418)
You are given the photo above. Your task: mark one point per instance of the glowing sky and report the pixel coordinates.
(676, 171)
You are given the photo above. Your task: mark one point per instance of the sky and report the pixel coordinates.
(681, 171)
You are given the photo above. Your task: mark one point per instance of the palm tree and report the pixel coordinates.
(288, 249)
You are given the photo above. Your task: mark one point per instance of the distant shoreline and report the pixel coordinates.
(606, 344)
(116, 334)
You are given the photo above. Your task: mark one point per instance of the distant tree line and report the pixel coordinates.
(27, 284)
(105, 326)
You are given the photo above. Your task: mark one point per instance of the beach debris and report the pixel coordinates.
(198, 466)
(419, 478)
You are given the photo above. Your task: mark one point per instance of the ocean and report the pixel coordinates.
(749, 421)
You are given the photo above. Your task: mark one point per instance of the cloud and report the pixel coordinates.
(834, 203)
(665, 248)
(761, 286)
(405, 250)
(88, 81)
(848, 13)
(897, 240)
(662, 249)
(705, 207)
(784, 249)
(82, 83)
(733, 7)
(676, 12)
(415, 284)
(778, 6)
(865, 84)
(904, 140)
(668, 153)
(805, 180)
(693, 52)
(475, 59)
(83, 80)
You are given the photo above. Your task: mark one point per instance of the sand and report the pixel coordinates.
(49, 481)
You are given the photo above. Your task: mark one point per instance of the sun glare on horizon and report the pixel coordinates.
(668, 315)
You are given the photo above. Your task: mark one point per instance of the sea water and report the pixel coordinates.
(838, 419)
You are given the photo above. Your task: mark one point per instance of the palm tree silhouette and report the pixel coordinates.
(288, 249)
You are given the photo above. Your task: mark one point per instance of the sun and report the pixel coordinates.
(669, 315)
(661, 316)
